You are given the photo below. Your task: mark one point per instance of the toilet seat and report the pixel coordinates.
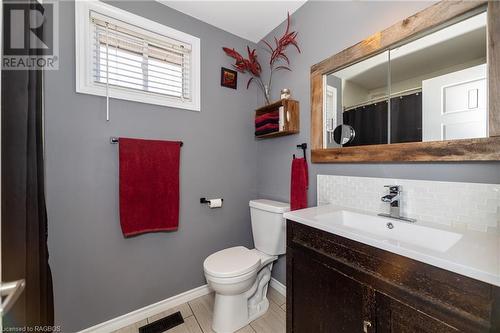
(232, 262)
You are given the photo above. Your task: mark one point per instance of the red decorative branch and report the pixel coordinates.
(288, 38)
(252, 65)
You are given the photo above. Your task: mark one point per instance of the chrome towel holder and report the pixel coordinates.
(115, 140)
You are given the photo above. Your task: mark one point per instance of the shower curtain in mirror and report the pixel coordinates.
(370, 121)
(406, 118)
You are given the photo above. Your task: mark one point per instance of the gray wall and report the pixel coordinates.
(98, 274)
(326, 28)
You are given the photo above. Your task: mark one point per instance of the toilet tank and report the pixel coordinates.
(268, 225)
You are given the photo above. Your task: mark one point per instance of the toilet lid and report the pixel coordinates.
(231, 262)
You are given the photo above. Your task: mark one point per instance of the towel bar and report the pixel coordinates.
(115, 140)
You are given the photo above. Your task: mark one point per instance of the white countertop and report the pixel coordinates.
(476, 254)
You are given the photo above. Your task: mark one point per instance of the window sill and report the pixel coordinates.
(139, 96)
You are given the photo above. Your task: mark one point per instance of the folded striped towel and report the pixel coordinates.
(267, 128)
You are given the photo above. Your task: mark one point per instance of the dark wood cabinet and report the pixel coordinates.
(335, 284)
(394, 316)
(327, 301)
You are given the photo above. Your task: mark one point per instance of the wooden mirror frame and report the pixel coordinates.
(481, 149)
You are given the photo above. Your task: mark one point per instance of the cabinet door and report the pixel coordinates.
(325, 300)
(396, 317)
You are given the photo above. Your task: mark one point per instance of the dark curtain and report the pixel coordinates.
(24, 219)
(369, 122)
(406, 118)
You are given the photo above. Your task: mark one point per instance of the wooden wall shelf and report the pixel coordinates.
(290, 114)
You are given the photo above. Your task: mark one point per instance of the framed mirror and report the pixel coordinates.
(425, 89)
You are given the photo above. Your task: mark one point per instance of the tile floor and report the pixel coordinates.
(197, 316)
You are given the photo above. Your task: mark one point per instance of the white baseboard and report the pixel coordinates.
(148, 311)
(278, 286)
(153, 309)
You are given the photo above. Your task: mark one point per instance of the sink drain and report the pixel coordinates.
(390, 225)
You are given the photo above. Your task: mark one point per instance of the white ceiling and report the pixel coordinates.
(251, 20)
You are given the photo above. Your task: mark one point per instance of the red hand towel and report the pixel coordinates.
(299, 184)
(149, 185)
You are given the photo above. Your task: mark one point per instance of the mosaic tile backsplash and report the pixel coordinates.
(465, 205)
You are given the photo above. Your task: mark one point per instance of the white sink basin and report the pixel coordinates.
(475, 254)
(404, 232)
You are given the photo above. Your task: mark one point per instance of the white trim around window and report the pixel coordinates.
(85, 79)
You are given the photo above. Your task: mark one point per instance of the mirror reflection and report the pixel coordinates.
(344, 134)
(429, 89)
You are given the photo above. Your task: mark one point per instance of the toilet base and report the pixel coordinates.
(232, 312)
(262, 309)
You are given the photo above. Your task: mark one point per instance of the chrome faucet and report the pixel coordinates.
(394, 199)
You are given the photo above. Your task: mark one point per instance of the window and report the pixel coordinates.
(117, 53)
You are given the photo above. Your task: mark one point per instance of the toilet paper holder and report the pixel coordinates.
(205, 201)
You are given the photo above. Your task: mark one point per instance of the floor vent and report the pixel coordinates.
(163, 324)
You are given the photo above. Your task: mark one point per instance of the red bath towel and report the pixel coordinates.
(299, 184)
(149, 185)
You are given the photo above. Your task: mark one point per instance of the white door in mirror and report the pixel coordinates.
(454, 106)
(330, 116)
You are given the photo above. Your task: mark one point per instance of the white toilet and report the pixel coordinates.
(240, 276)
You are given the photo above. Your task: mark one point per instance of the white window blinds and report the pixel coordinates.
(130, 57)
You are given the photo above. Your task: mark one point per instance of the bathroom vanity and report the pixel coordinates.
(345, 275)
(396, 97)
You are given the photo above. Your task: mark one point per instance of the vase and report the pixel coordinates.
(267, 96)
